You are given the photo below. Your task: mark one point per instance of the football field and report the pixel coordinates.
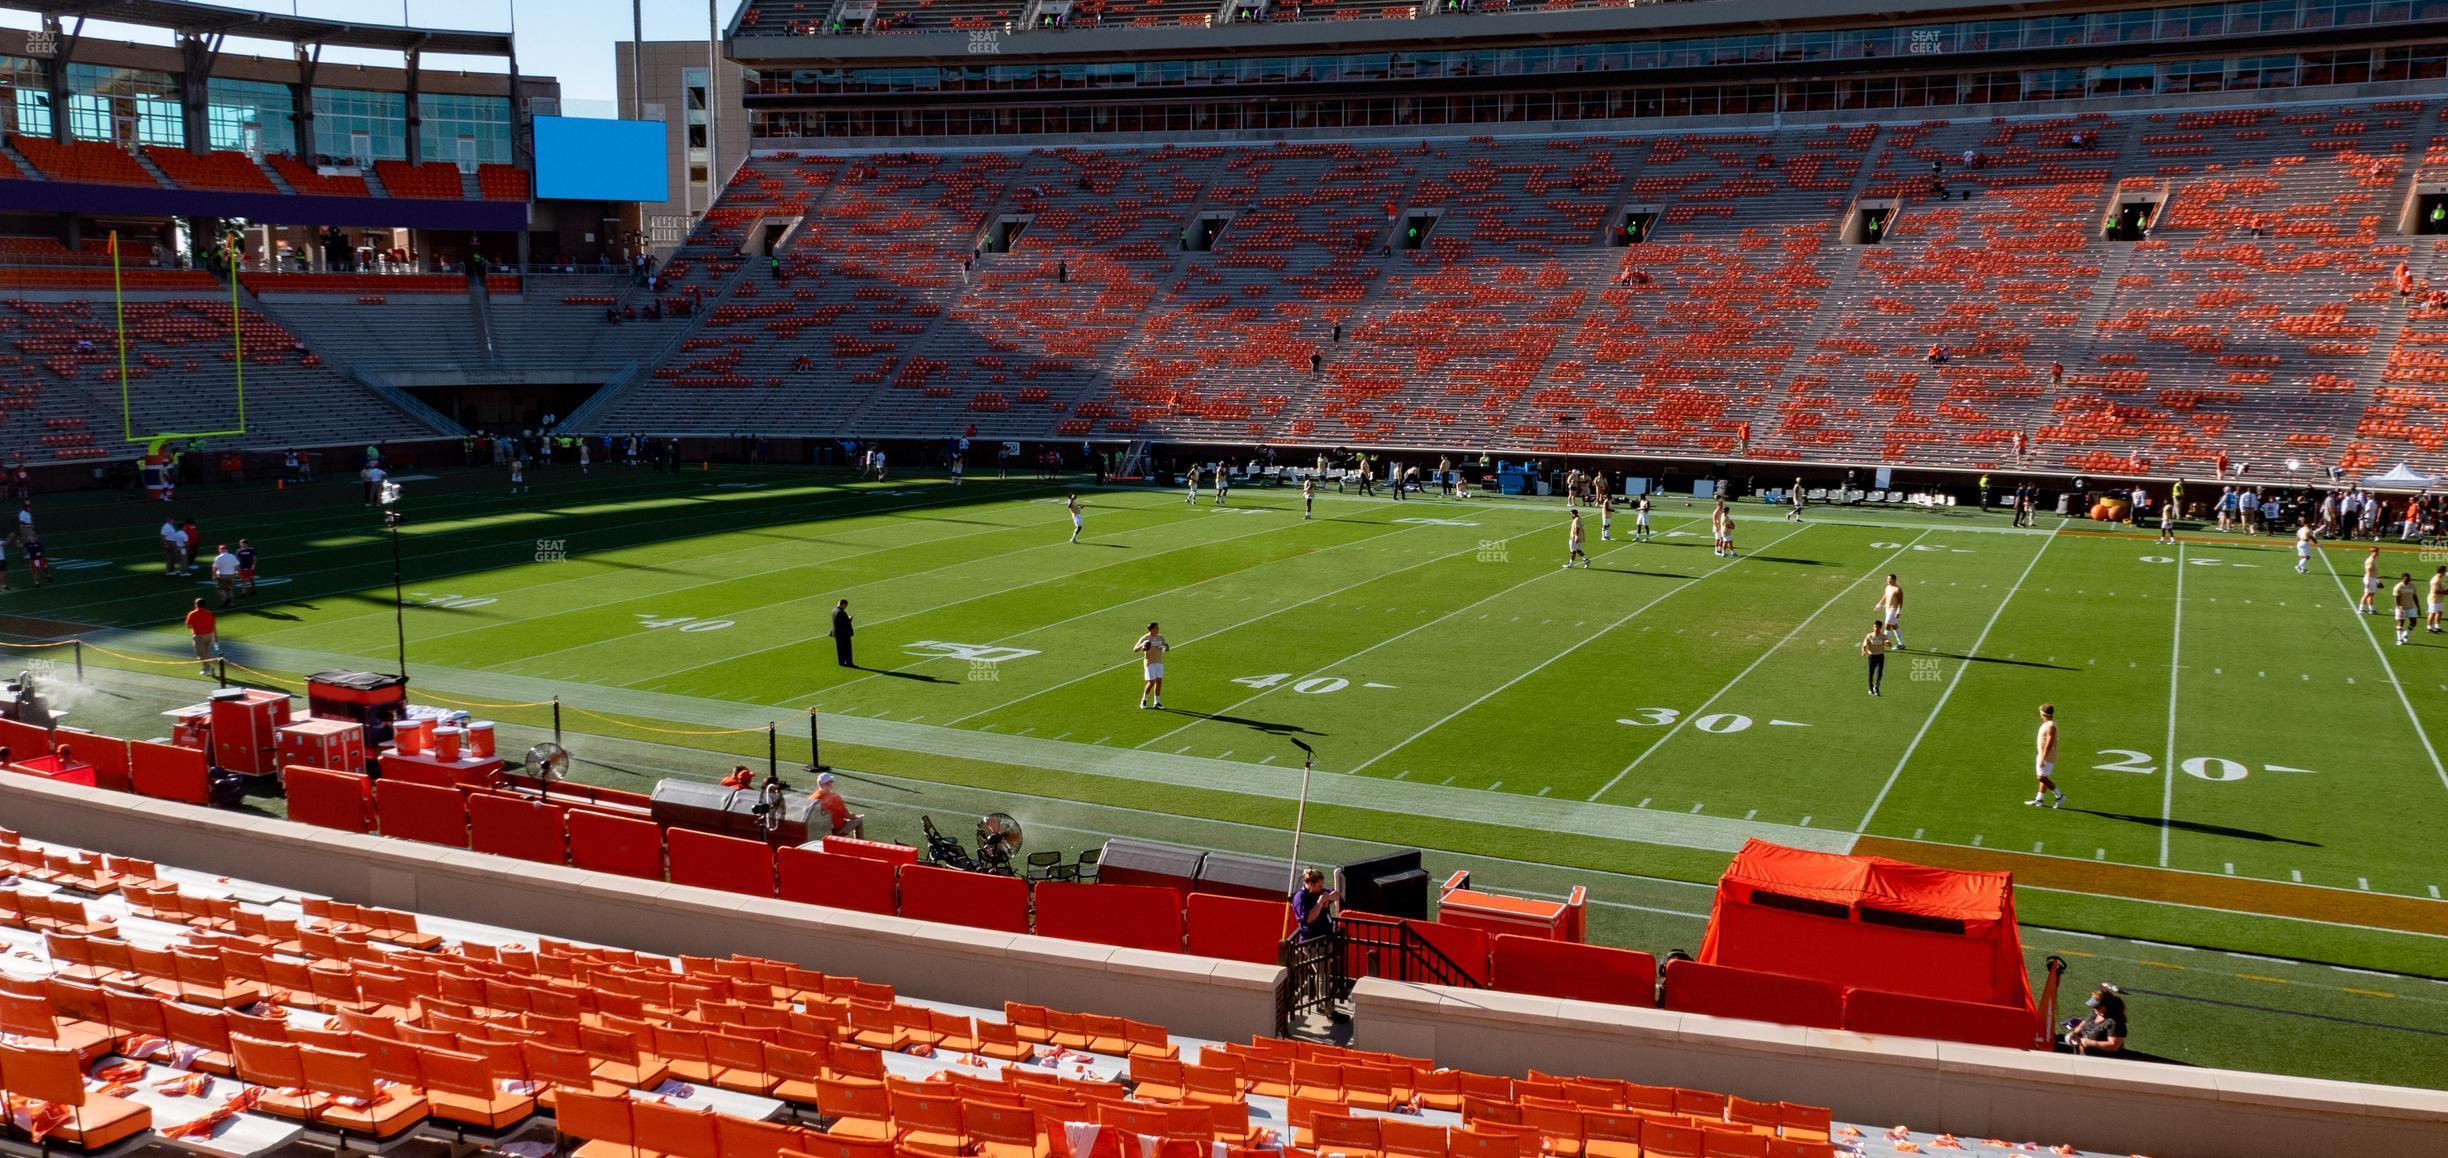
(2233, 739)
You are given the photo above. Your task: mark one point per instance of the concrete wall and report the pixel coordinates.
(1189, 995)
(1971, 1091)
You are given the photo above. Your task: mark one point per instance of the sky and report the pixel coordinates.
(567, 39)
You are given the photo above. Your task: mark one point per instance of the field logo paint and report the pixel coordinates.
(1495, 551)
(984, 671)
(1925, 670)
(552, 551)
(1438, 522)
(972, 653)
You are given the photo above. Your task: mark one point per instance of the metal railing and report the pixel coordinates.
(1392, 949)
(1313, 980)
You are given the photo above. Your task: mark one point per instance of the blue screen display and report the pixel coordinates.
(577, 159)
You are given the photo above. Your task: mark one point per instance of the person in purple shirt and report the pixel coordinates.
(1312, 906)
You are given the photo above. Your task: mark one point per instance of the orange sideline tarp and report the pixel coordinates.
(1984, 963)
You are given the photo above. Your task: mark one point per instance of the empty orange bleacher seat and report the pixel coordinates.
(1692, 987)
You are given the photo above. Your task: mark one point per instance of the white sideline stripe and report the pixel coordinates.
(1770, 650)
(1262, 693)
(1233, 626)
(1960, 669)
(2167, 770)
(1585, 641)
(2394, 682)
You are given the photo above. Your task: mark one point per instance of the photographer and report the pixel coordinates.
(2103, 1032)
(1312, 907)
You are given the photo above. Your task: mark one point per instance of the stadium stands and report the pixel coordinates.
(96, 161)
(305, 178)
(63, 350)
(154, 1004)
(429, 179)
(2255, 319)
(219, 169)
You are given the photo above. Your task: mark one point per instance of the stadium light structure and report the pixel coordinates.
(390, 497)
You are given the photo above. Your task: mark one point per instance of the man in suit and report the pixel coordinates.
(841, 634)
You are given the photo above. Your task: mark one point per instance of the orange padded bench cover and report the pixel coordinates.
(840, 882)
(1237, 928)
(525, 829)
(1877, 1011)
(954, 897)
(729, 863)
(615, 844)
(1724, 991)
(1525, 964)
(167, 772)
(329, 799)
(421, 812)
(1132, 916)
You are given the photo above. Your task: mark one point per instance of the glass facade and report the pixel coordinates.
(25, 106)
(464, 130)
(344, 115)
(1904, 42)
(127, 105)
(1818, 96)
(250, 115)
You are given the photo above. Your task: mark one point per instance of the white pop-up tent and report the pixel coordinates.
(2401, 478)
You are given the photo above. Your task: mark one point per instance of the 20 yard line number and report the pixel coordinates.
(683, 622)
(2217, 769)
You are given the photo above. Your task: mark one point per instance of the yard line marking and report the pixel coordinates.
(2167, 771)
(2230, 868)
(1976, 840)
(1225, 755)
(1957, 678)
(2366, 992)
(1102, 739)
(2258, 957)
(1060, 736)
(2099, 854)
(2258, 977)
(2297, 874)
(2168, 965)
(1646, 799)
(1805, 822)
(1402, 775)
(2435, 892)
(1491, 693)
(1495, 786)
(1109, 608)
(1917, 833)
(1751, 815)
(1544, 790)
(1266, 759)
(1770, 650)
(2037, 845)
(1695, 809)
(1247, 700)
(2363, 883)
(987, 594)
(2386, 666)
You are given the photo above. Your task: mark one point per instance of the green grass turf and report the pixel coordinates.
(1511, 682)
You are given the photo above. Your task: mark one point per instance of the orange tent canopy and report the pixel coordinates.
(1870, 922)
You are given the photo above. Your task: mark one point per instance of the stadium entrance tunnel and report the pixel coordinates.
(1869, 221)
(1004, 233)
(509, 405)
(2132, 218)
(1201, 235)
(2426, 210)
(1633, 227)
(1416, 227)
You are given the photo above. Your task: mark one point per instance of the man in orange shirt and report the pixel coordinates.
(842, 821)
(201, 625)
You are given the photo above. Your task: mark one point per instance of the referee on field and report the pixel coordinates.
(841, 634)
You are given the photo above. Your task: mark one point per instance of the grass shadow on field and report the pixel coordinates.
(1269, 727)
(2196, 826)
(1644, 574)
(1997, 660)
(1785, 559)
(905, 675)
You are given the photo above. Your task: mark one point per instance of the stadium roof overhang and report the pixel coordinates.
(211, 19)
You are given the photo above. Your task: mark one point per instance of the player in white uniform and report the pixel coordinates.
(1793, 512)
(2402, 596)
(1891, 610)
(1073, 503)
(1223, 485)
(1606, 518)
(1151, 648)
(1308, 498)
(2438, 600)
(586, 457)
(2167, 521)
(1723, 520)
(2044, 760)
(1574, 539)
(1193, 499)
(518, 475)
(1640, 519)
(2303, 547)
(2371, 582)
